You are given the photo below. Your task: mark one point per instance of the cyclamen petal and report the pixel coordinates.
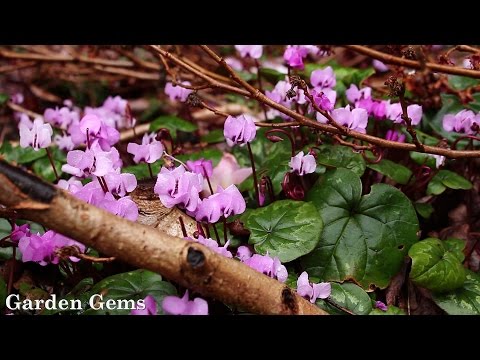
(38, 137)
(380, 305)
(150, 307)
(175, 305)
(239, 130)
(312, 291)
(19, 232)
(177, 93)
(323, 78)
(269, 266)
(254, 51)
(243, 253)
(149, 151)
(302, 164)
(201, 166)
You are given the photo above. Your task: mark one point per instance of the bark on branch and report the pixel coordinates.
(187, 263)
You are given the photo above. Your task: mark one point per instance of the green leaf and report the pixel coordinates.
(423, 159)
(43, 168)
(287, 229)
(133, 285)
(3, 98)
(436, 265)
(3, 292)
(141, 170)
(394, 171)
(346, 75)
(173, 124)
(214, 136)
(365, 238)
(425, 210)
(21, 155)
(391, 310)
(272, 75)
(463, 301)
(5, 228)
(79, 292)
(447, 179)
(461, 82)
(341, 157)
(348, 296)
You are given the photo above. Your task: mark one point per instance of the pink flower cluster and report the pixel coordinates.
(465, 121)
(263, 263)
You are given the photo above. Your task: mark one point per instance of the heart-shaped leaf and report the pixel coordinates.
(425, 210)
(133, 285)
(447, 179)
(287, 229)
(346, 296)
(172, 123)
(437, 265)
(364, 238)
(394, 171)
(341, 157)
(463, 301)
(391, 310)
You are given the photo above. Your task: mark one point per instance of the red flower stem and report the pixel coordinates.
(207, 231)
(225, 239)
(12, 271)
(182, 225)
(52, 163)
(255, 180)
(150, 171)
(88, 139)
(208, 179)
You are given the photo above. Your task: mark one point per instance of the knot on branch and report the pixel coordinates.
(195, 258)
(395, 87)
(289, 300)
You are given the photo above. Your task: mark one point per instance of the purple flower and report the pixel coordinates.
(201, 166)
(17, 98)
(324, 99)
(120, 184)
(19, 232)
(227, 172)
(149, 309)
(235, 64)
(356, 119)
(239, 130)
(269, 266)
(464, 121)
(175, 305)
(254, 51)
(179, 187)
(380, 305)
(115, 104)
(354, 94)
(92, 161)
(42, 248)
(302, 164)
(323, 78)
(223, 203)
(213, 245)
(99, 132)
(38, 136)
(71, 185)
(394, 113)
(64, 142)
(176, 92)
(243, 253)
(294, 56)
(61, 117)
(379, 66)
(395, 136)
(149, 151)
(312, 291)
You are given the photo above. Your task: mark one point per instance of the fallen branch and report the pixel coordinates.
(395, 60)
(188, 263)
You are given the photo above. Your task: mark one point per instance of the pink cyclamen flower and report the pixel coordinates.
(394, 112)
(150, 307)
(99, 131)
(393, 135)
(253, 51)
(149, 151)
(92, 161)
(61, 117)
(235, 64)
(223, 203)
(19, 232)
(244, 253)
(177, 93)
(354, 94)
(120, 184)
(201, 166)
(294, 56)
(39, 136)
(71, 185)
(324, 99)
(179, 187)
(213, 245)
(356, 119)
(380, 305)
(17, 98)
(302, 164)
(42, 248)
(267, 265)
(379, 66)
(323, 78)
(312, 291)
(226, 173)
(115, 104)
(239, 130)
(64, 142)
(174, 305)
(464, 121)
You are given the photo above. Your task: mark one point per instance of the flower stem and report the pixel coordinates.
(150, 171)
(255, 180)
(12, 270)
(52, 163)
(216, 233)
(225, 238)
(182, 225)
